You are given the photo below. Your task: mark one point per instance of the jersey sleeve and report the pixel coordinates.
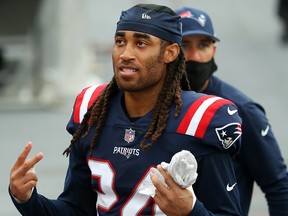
(225, 129)
(269, 169)
(214, 120)
(217, 179)
(77, 198)
(82, 103)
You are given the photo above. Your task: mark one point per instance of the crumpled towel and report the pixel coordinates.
(182, 168)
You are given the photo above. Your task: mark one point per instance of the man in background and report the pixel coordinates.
(260, 159)
(283, 15)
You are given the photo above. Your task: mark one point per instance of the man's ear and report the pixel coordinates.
(171, 52)
(214, 48)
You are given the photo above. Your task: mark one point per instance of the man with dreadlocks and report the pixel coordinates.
(123, 130)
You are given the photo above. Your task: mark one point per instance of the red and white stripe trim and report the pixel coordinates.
(200, 114)
(84, 100)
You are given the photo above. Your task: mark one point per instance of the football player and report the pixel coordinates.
(140, 119)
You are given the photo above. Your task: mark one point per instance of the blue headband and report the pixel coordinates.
(152, 19)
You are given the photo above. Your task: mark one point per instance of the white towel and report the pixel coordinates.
(182, 168)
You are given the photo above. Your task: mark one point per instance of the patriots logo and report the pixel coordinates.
(201, 19)
(129, 135)
(228, 134)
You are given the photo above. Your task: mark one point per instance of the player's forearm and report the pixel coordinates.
(200, 210)
(218, 178)
(40, 205)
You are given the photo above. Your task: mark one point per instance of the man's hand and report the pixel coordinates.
(22, 179)
(173, 200)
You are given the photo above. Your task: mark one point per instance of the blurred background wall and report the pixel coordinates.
(58, 46)
(52, 49)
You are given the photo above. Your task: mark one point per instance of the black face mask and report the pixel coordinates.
(198, 73)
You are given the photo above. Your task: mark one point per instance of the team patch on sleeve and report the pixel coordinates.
(84, 100)
(199, 115)
(228, 134)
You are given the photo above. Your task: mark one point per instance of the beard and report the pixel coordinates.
(149, 76)
(198, 73)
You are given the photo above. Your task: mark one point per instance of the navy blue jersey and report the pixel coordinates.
(108, 181)
(260, 159)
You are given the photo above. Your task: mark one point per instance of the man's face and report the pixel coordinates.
(199, 48)
(138, 62)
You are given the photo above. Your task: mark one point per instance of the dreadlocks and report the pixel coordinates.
(171, 92)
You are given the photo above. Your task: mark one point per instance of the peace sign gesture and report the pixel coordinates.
(22, 177)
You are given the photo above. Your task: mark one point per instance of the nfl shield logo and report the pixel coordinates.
(129, 135)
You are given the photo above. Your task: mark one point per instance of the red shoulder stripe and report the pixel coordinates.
(84, 100)
(182, 128)
(208, 115)
(200, 114)
(96, 94)
(77, 105)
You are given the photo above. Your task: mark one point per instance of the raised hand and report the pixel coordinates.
(173, 200)
(22, 179)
